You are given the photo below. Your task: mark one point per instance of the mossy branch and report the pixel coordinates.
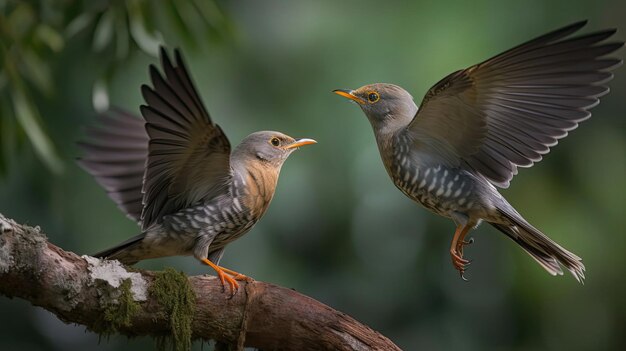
(108, 299)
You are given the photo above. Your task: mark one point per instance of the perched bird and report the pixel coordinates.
(476, 126)
(173, 172)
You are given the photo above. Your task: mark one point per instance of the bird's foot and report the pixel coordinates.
(456, 249)
(459, 262)
(237, 276)
(462, 243)
(228, 276)
(225, 278)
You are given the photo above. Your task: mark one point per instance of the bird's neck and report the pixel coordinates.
(259, 181)
(386, 129)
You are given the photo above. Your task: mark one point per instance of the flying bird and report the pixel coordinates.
(174, 173)
(476, 126)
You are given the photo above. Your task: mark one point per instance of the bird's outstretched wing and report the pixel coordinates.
(115, 154)
(189, 155)
(508, 111)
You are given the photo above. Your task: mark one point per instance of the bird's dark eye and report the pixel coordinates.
(373, 96)
(275, 141)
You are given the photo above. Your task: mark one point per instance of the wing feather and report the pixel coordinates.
(115, 155)
(508, 111)
(188, 154)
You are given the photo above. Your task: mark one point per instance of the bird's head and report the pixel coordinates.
(270, 147)
(382, 103)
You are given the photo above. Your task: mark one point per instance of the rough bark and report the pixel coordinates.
(105, 297)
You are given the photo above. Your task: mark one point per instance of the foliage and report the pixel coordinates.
(34, 33)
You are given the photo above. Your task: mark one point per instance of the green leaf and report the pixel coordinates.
(20, 21)
(78, 24)
(37, 71)
(179, 13)
(122, 37)
(147, 42)
(103, 33)
(50, 37)
(28, 117)
(211, 14)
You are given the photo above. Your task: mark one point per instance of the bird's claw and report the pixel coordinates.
(460, 263)
(228, 276)
(463, 276)
(461, 244)
(232, 283)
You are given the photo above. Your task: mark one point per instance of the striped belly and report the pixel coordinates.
(440, 189)
(215, 224)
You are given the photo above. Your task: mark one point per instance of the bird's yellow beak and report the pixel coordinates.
(349, 94)
(301, 142)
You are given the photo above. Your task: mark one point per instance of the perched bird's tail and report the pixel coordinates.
(545, 251)
(123, 251)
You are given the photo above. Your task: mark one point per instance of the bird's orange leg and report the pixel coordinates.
(462, 242)
(456, 249)
(224, 277)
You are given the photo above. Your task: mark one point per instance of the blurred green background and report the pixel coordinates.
(337, 230)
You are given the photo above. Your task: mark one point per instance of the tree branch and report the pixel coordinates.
(105, 297)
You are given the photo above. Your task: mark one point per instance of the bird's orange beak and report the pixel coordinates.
(301, 142)
(349, 94)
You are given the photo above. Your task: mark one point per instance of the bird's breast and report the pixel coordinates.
(257, 189)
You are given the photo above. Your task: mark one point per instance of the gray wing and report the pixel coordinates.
(510, 110)
(188, 154)
(115, 155)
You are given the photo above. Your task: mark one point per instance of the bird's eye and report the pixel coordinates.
(373, 97)
(275, 141)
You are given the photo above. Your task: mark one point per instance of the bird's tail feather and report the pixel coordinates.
(543, 249)
(121, 251)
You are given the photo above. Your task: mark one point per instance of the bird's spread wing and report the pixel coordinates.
(115, 154)
(508, 111)
(188, 154)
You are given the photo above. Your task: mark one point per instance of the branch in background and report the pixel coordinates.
(106, 298)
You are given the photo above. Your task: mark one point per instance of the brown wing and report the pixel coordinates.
(188, 154)
(508, 111)
(115, 154)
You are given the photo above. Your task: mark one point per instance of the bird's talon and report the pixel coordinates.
(234, 287)
(463, 276)
(460, 260)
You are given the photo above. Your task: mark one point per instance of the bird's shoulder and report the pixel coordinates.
(454, 83)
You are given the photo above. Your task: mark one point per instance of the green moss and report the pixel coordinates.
(173, 291)
(119, 312)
